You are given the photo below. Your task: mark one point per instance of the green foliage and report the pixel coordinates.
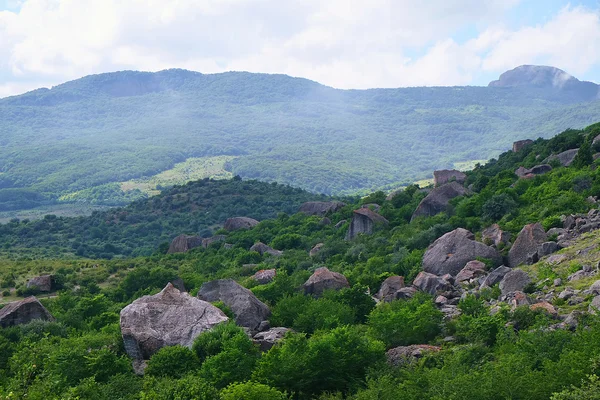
(251, 391)
(189, 387)
(401, 323)
(172, 361)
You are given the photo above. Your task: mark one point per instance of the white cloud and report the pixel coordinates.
(342, 43)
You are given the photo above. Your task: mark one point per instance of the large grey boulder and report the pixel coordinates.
(267, 339)
(444, 176)
(324, 279)
(265, 275)
(320, 208)
(473, 270)
(43, 283)
(316, 249)
(262, 249)
(495, 276)
(430, 283)
(249, 311)
(451, 252)
(525, 173)
(525, 248)
(184, 243)
(363, 222)
(547, 248)
(438, 199)
(565, 158)
(236, 223)
(23, 311)
(514, 281)
(168, 318)
(390, 287)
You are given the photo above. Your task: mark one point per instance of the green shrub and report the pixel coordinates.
(251, 391)
(173, 362)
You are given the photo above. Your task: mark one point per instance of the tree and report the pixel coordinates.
(173, 362)
(584, 156)
(251, 391)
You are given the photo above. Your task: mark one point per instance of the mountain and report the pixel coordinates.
(88, 140)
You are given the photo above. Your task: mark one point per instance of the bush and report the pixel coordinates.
(251, 391)
(214, 341)
(402, 323)
(173, 362)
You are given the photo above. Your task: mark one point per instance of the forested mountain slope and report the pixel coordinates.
(408, 308)
(98, 131)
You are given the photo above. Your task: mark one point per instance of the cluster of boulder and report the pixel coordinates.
(576, 225)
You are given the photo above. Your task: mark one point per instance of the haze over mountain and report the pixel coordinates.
(78, 141)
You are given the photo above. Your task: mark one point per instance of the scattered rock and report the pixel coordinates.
(567, 293)
(43, 283)
(556, 259)
(22, 312)
(320, 207)
(324, 279)
(403, 355)
(249, 311)
(546, 306)
(184, 243)
(513, 281)
(557, 282)
(547, 248)
(438, 200)
(444, 176)
(451, 252)
(389, 288)
(235, 223)
(495, 276)
(363, 222)
(267, 339)
(572, 320)
(406, 293)
(315, 250)
(516, 299)
(594, 305)
(495, 236)
(525, 248)
(595, 288)
(264, 275)
(262, 248)
(441, 300)
(168, 318)
(450, 312)
(585, 272)
(473, 269)
(430, 283)
(520, 144)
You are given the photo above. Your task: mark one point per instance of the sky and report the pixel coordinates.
(341, 43)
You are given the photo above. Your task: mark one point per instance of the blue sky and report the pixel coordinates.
(341, 43)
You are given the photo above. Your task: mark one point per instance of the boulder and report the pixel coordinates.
(267, 339)
(406, 293)
(320, 207)
(594, 305)
(168, 318)
(249, 311)
(495, 236)
(264, 275)
(438, 199)
(389, 288)
(315, 250)
(364, 221)
(444, 176)
(595, 288)
(235, 223)
(451, 252)
(184, 243)
(23, 311)
(565, 158)
(403, 355)
(430, 283)
(179, 285)
(340, 224)
(516, 299)
(43, 283)
(473, 270)
(262, 248)
(515, 280)
(532, 172)
(547, 248)
(214, 239)
(525, 248)
(324, 279)
(495, 276)
(545, 306)
(519, 144)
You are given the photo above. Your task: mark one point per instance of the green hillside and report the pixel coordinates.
(78, 141)
(479, 344)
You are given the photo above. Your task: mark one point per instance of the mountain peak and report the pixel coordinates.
(535, 75)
